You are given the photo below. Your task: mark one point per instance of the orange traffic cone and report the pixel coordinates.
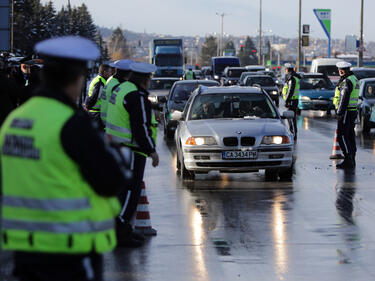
(336, 150)
(142, 219)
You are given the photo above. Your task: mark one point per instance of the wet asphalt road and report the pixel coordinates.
(319, 226)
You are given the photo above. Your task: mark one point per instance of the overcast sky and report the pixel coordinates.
(197, 17)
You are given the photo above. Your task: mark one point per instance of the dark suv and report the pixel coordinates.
(266, 83)
(231, 75)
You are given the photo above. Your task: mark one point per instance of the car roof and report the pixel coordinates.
(362, 68)
(235, 67)
(312, 75)
(197, 82)
(166, 78)
(261, 75)
(368, 80)
(230, 89)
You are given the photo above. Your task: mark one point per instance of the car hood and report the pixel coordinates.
(316, 94)
(230, 127)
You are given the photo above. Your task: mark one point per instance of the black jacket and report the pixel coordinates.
(138, 106)
(91, 101)
(99, 162)
(346, 87)
(290, 79)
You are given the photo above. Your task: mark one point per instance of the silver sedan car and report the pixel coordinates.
(232, 130)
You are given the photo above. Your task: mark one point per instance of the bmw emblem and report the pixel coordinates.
(239, 132)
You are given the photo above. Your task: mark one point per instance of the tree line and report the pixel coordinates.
(34, 21)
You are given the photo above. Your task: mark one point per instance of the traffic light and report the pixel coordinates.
(241, 47)
(254, 51)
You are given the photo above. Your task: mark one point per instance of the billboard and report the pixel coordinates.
(324, 18)
(5, 25)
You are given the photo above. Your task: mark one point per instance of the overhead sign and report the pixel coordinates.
(306, 29)
(5, 25)
(324, 18)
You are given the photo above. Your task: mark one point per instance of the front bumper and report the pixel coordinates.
(317, 104)
(204, 160)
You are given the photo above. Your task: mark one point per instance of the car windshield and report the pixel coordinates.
(362, 74)
(315, 83)
(262, 81)
(328, 70)
(161, 84)
(221, 64)
(235, 73)
(168, 60)
(370, 90)
(233, 105)
(182, 92)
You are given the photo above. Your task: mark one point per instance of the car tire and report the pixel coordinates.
(286, 174)
(365, 127)
(271, 175)
(185, 173)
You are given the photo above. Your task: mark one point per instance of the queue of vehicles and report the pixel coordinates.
(228, 120)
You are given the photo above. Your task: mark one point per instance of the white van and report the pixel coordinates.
(327, 67)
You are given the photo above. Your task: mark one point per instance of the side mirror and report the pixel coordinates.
(162, 99)
(176, 115)
(288, 114)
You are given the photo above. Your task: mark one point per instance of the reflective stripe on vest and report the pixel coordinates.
(47, 204)
(106, 93)
(296, 89)
(54, 227)
(96, 80)
(51, 202)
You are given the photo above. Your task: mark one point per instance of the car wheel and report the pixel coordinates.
(185, 173)
(271, 175)
(287, 174)
(364, 125)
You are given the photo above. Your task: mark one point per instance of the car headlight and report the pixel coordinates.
(216, 77)
(201, 141)
(153, 99)
(305, 98)
(275, 140)
(230, 82)
(274, 92)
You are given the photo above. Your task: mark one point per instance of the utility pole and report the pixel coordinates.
(220, 47)
(361, 46)
(298, 61)
(260, 33)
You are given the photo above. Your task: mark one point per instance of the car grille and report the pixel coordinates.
(233, 141)
(238, 164)
(169, 72)
(230, 141)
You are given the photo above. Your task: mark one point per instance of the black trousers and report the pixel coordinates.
(58, 267)
(346, 134)
(129, 200)
(293, 106)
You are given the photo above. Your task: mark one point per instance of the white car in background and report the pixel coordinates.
(233, 129)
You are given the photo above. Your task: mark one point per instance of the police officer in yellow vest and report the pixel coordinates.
(122, 74)
(58, 204)
(130, 123)
(290, 93)
(93, 102)
(189, 74)
(346, 98)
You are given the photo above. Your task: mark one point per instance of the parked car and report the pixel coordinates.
(316, 92)
(267, 84)
(363, 72)
(176, 100)
(233, 129)
(231, 75)
(366, 105)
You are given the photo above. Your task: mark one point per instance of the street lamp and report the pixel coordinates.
(222, 15)
(299, 36)
(361, 49)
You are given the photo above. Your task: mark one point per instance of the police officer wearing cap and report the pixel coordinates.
(346, 99)
(130, 123)
(58, 206)
(93, 101)
(290, 93)
(189, 74)
(122, 73)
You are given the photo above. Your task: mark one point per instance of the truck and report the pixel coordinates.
(218, 64)
(167, 55)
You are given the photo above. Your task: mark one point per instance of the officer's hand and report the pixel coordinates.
(155, 159)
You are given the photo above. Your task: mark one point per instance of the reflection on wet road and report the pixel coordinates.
(319, 226)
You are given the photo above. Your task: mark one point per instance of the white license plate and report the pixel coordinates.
(240, 154)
